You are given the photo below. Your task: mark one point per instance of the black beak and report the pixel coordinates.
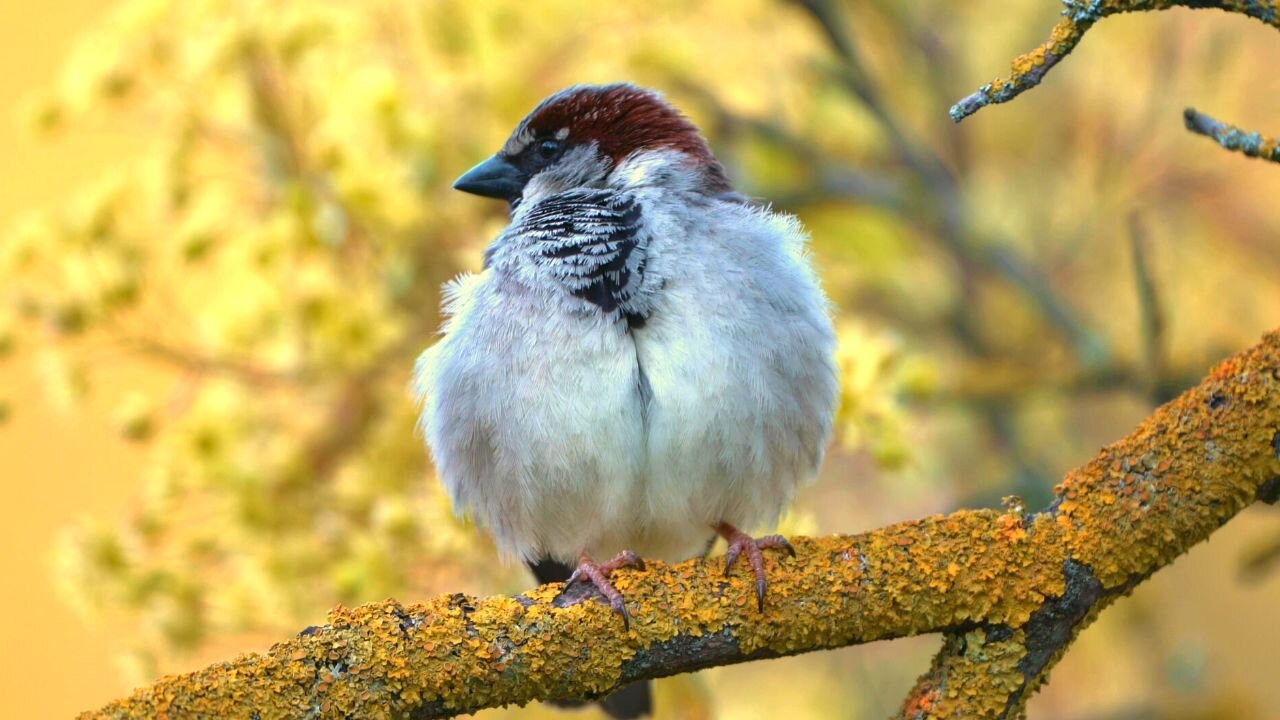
(495, 178)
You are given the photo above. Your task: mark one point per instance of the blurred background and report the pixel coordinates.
(225, 223)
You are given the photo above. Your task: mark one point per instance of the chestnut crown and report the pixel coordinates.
(619, 119)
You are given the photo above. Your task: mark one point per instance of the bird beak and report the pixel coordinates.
(495, 178)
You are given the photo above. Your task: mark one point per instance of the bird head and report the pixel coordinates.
(596, 136)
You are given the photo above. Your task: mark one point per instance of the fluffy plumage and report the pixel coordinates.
(562, 428)
(646, 358)
(640, 359)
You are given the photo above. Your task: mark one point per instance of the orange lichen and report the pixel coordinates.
(979, 575)
(1139, 504)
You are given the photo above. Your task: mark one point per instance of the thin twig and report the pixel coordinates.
(1151, 311)
(1252, 144)
(195, 362)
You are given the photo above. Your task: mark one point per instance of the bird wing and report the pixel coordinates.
(593, 242)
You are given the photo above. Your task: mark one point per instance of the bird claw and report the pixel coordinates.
(621, 608)
(588, 571)
(740, 542)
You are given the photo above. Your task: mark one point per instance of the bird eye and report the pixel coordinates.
(549, 148)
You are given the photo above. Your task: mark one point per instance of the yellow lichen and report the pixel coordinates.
(1131, 510)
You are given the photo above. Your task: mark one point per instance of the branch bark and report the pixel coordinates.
(1009, 590)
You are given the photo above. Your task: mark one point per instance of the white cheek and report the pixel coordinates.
(580, 166)
(631, 174)
(666, 168)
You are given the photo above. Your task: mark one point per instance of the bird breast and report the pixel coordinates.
(562, 430)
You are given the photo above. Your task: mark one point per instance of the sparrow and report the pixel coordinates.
(645, 361)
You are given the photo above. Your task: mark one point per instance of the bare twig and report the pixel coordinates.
(195, 362)
(851, 73)
(1151, 311)
(1008, 383)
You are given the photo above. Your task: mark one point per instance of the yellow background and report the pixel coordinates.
(55, 467)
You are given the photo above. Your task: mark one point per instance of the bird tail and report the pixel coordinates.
(634, 700)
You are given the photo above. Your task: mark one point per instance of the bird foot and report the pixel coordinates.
(740, 542)
(598, 576)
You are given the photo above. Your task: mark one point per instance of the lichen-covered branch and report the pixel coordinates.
(1077, 17)
(1010, 591)
(1231, 137)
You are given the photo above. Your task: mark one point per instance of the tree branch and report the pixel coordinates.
(1009, 590)
(1231, 137)
(1078, 16)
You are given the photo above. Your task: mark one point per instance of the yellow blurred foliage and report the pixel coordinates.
(270, 261)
